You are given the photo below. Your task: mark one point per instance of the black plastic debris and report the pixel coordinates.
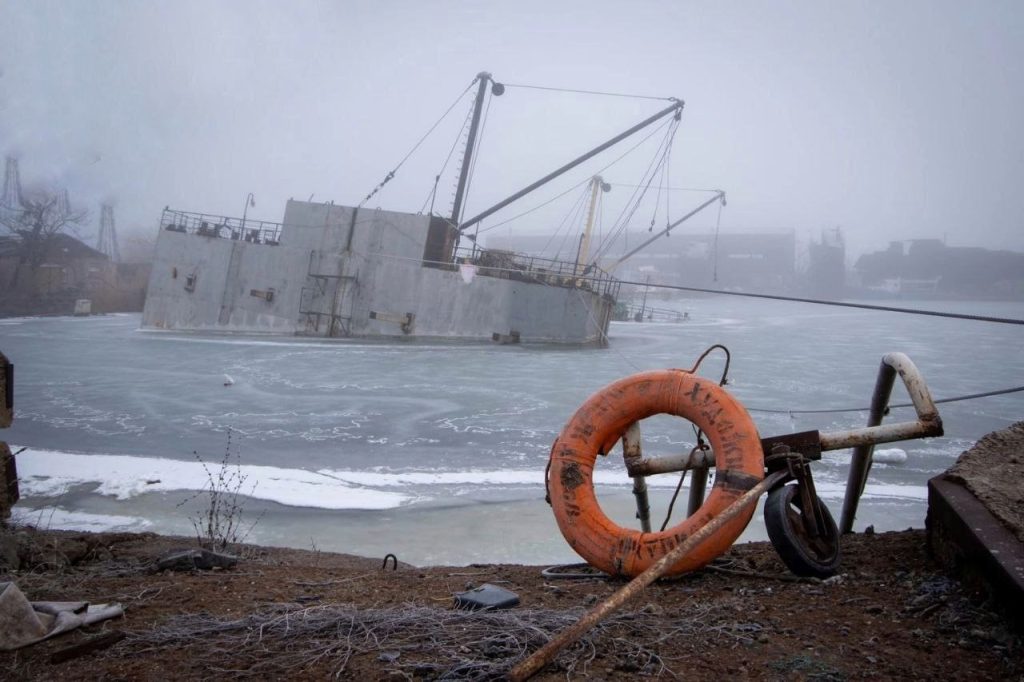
(486, 596)
(192, 559)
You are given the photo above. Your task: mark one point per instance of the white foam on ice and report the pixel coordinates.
(55, 517)
(48, 473)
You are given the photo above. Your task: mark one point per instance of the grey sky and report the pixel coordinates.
(894, 120)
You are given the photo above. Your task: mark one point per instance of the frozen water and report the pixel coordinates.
(437, 451)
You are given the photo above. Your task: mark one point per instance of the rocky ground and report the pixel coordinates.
(993, 470)
(891, 613)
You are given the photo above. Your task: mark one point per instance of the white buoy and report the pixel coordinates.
(228, 381)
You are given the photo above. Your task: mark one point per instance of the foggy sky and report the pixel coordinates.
(893, 120)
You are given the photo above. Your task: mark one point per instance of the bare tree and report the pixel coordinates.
(44, 215)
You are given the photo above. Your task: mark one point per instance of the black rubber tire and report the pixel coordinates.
(804, 556)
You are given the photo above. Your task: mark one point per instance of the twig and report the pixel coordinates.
(767, 576)
(327, 583)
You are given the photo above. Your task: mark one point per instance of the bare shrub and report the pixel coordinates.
(220, 524)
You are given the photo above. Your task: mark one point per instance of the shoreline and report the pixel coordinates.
(891, 612)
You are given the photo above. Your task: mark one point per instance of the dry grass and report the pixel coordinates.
(410, 640)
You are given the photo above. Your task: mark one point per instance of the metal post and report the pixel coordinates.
(460, 192)
(250, 200)
(698, 484)
(643, 305)
(631, 452)
(579, 249)
(928, 424)
(860, 463)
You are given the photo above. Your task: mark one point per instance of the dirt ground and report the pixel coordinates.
(891, 613)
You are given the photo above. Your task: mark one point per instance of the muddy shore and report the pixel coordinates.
(890, 613)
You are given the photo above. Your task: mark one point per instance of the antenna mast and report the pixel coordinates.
(107, 240)
(12, 185)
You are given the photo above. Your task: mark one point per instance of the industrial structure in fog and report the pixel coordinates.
(928, 268)
(727, 260)
(46, 270)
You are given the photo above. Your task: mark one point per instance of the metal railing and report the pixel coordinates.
(812, 443)
(526, 268)
(221, 227)
(637, 312)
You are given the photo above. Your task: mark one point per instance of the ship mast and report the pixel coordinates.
(497, 89)
(597, 184)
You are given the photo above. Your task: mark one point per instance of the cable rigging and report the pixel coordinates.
(391, 173)
(583, 182)
(472, 166)
(451, 152)
(589, 92)
(636, 199)
(841, 304)
(955, 399)
(569, 218)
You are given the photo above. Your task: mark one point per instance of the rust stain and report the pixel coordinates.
(694, 392)
(571, 477)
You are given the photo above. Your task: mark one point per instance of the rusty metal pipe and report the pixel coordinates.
(631, 453)
(649, 466)
(928, 424)
(876, 435)
(541, 657)
(698, 484)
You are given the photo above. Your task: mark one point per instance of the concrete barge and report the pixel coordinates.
(337, 271)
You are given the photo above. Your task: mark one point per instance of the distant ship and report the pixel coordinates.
(341, 271)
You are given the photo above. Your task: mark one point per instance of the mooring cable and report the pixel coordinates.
(841, 304)
(971, 396)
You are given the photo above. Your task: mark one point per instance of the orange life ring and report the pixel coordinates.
(596, 427)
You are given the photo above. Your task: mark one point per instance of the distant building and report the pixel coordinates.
(749, 262)
(826, 266)
(70, 270)
(928, 268)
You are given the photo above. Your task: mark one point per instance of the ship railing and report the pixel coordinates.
(221, 227)
(549, 271)
(638, 312)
